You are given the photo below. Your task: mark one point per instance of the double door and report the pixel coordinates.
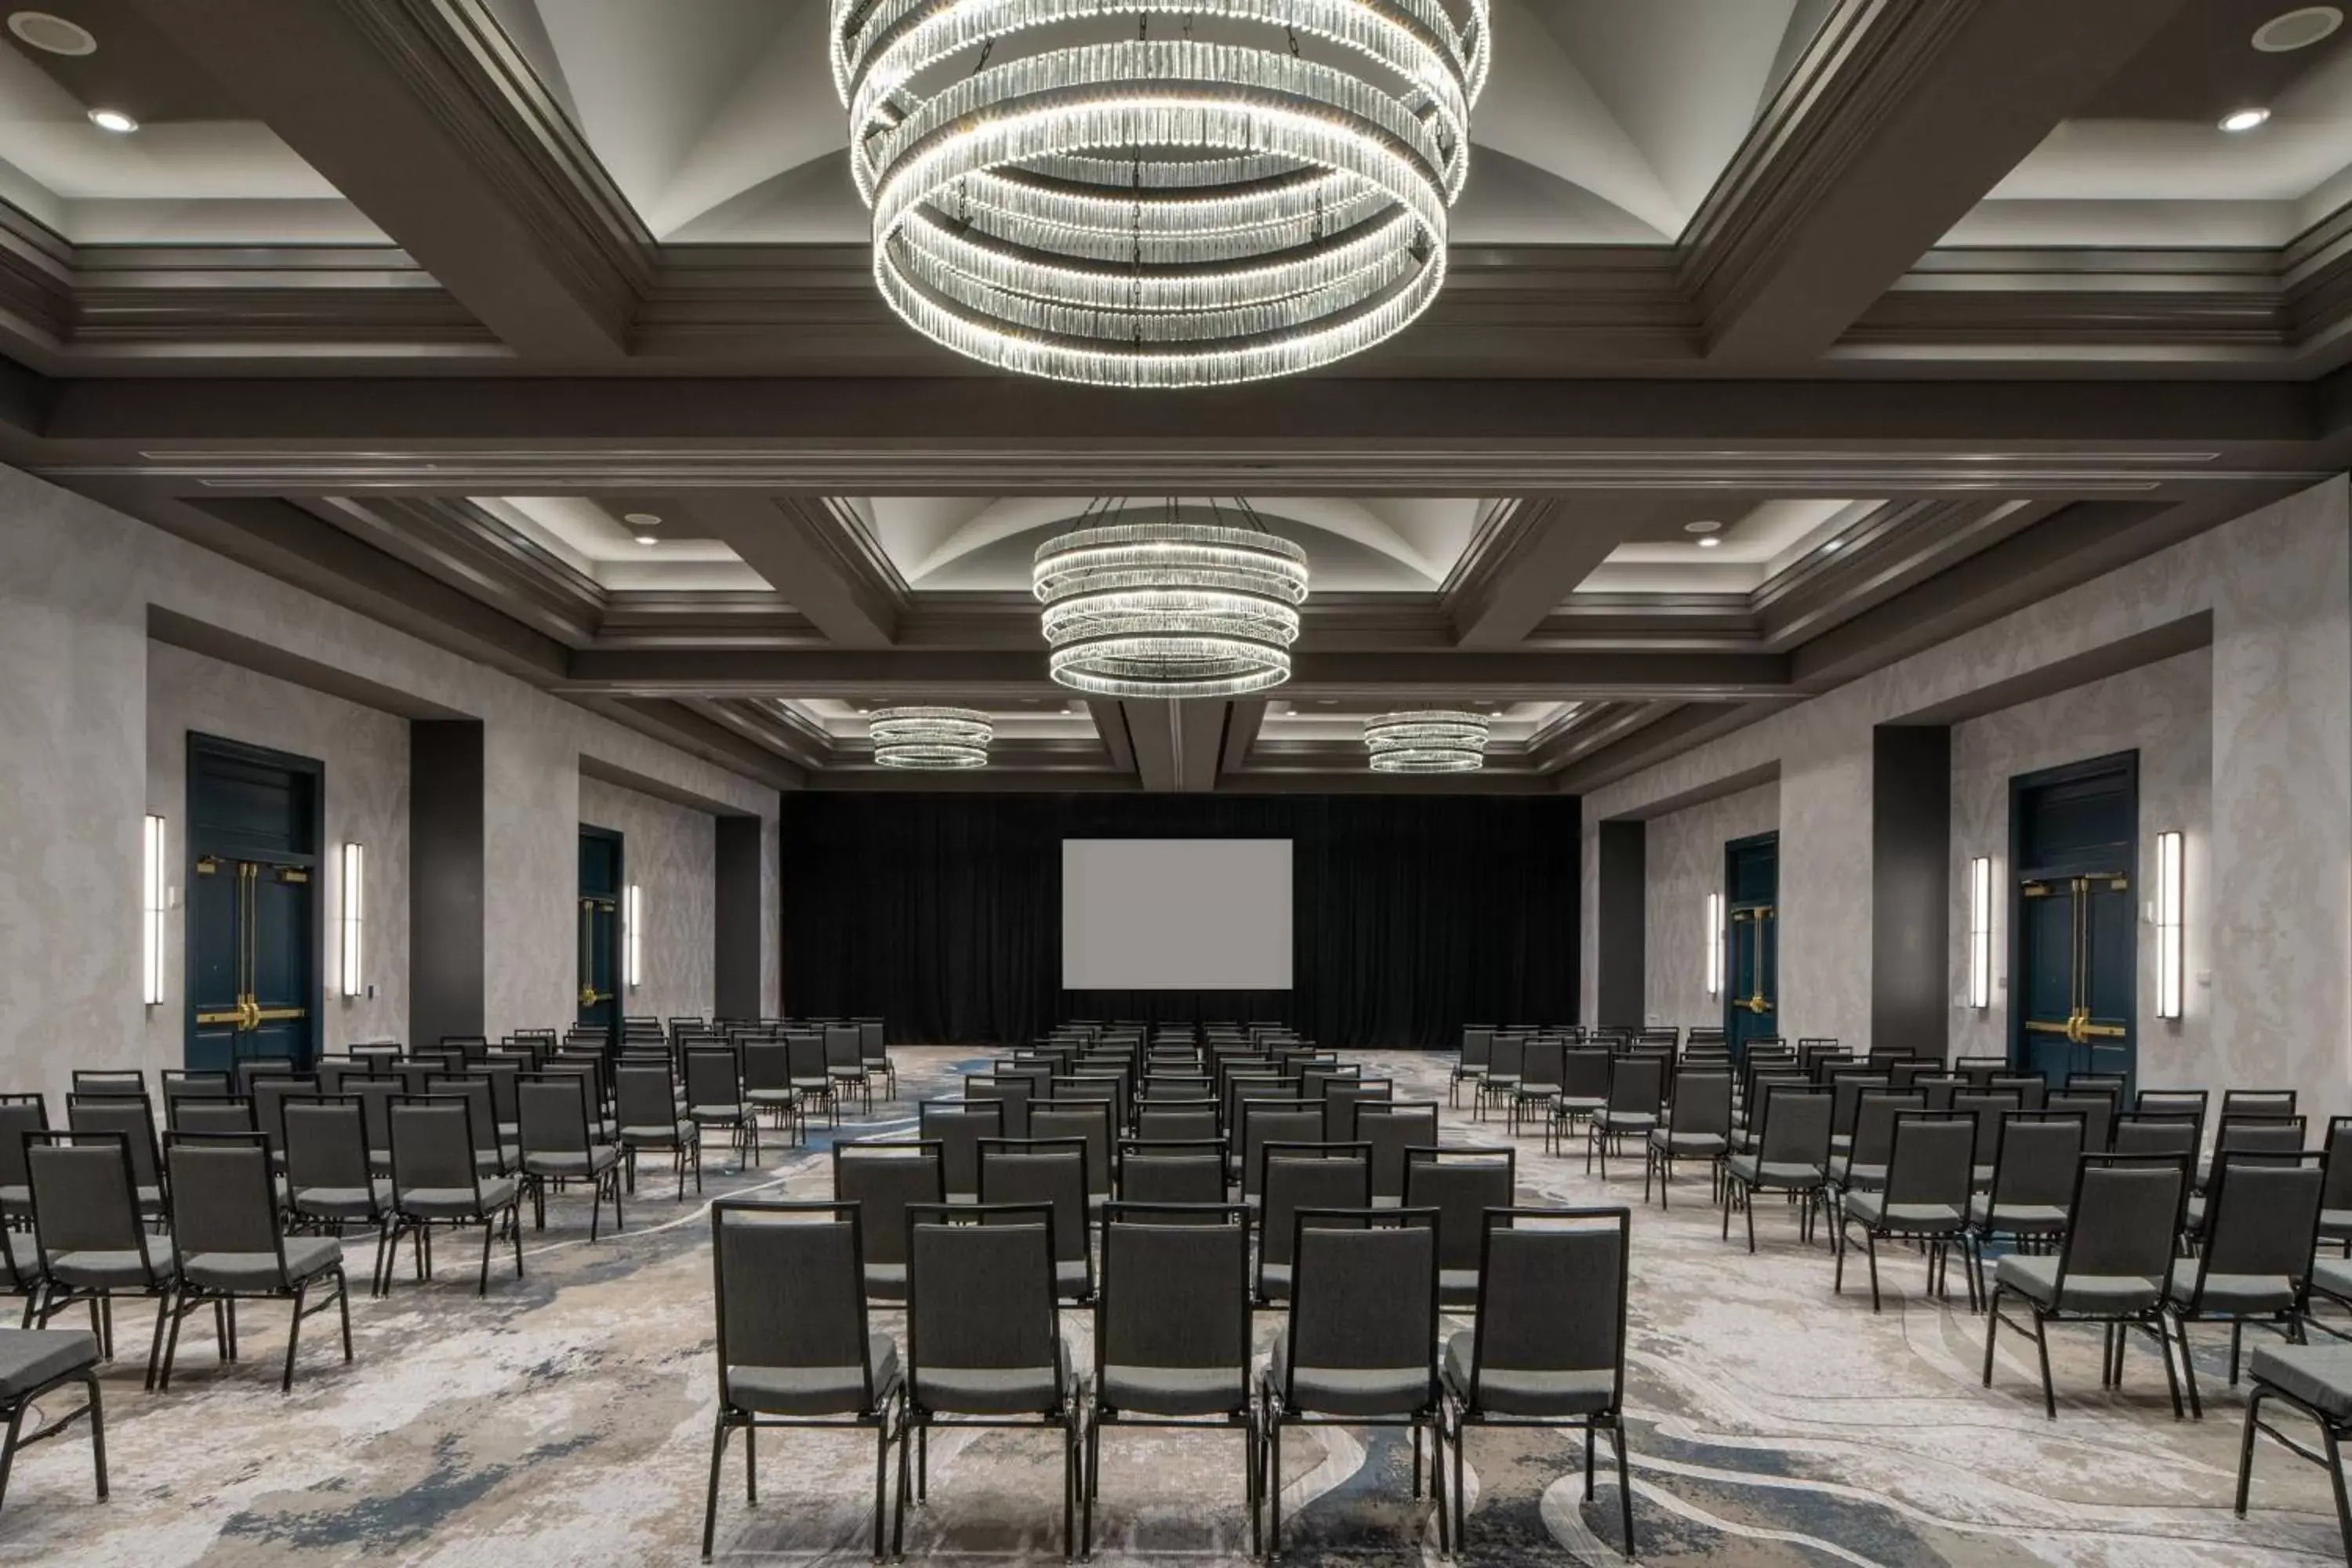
(600, 931)
(2075, 935)
(253, 912)
(1751, 940)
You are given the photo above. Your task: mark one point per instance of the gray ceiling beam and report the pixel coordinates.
(1244, 719)
(404, 109)
(1153, 730)
(795, 543)
(1551, 545)
(1899, 120)
(676, 724)
(1110, 724)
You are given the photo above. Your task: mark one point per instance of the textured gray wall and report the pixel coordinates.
(1684, 862)
(670, 852)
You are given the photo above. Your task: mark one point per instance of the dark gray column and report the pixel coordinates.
(735, 984)
(445, 879)
(1622, 913)
(1910, 889)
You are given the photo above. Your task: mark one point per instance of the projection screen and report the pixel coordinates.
(1176, 914)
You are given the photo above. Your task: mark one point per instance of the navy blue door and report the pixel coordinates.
(600, 928)
(253, 932)
(2074, 837)
(1751, 878)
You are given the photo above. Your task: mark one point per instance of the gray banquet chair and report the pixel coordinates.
(228, 1247)
(2032, 1182)
(1926, 1200)
(886, 1178)
(1700, 1129)
(715, 1099)
(1051, 1171)
(557, 1146)
(1791, 1155)
(1459, 1185)
(328, 1181)
(34, 1364)
(794, 1346)
(957, 1127)
(1190, 1171)
(1391, 1129)
(92, 1243)
(1303, 1176)
(2255, 1257)
(1636, 1107)
(646, 1104)
(2317, 1382)
(437, 1180)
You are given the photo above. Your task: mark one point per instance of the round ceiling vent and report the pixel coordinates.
(2298, 30)
(53, 34)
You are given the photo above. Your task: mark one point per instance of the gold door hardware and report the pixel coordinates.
(2077, 1028)
(207, 865)
(292, 874)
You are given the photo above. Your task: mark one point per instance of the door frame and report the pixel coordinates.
(201, 746)
(618, 944)
(2124, 764)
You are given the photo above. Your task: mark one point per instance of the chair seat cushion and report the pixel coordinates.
(343, 1203)
(1175, 1390)
(457, 1202)
(121, 1270)
(886, 1281)
(1580, 1104)
(1504, 1392)
(2319, 1375)
(718, 1113)
(772, 1096)
(1693, 1143)
(1848, 1174)
(1873, 1209)
(1774, 1172)
(2036, 1278)
(993, 1391)
(599, 1157)
(2333, 1276)
(2015, 1219)
(817, 1390)
(12, 1198)
(32, 1357)
(306, 1256)
(676, 1132)
(2334, 1224)
(1363, 1391)
(1070, 1277)
(2231, 1293)
(1626, 1121)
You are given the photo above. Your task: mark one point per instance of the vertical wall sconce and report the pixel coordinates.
(1714, 944)
(1980, 931)
(2168, 906)
(152, 895)
(354, 918)
(633, 921)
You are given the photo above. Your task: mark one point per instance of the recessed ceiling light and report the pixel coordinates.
(648, 539)
(1833, 547)
(113, 120)
(1327, 702)
(1709, 542)
(52, 34)
(2298, 30)
(1703, 527)
(642, 519)
(2245, 119)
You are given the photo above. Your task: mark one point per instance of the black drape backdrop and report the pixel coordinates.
(1411, 914)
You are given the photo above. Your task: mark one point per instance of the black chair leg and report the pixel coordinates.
(2041, 1348)
(343, 1306)
(710, 1498)
(2189, 1371)
(1870, 1242)
(1625, 1484)
(2246, 1450)
(293, 1338)
(2336, 1475)
(881, 1474)
(96, 1432)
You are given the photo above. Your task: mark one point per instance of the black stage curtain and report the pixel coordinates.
(1412, 915)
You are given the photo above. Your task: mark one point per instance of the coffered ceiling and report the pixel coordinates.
(1781, 338)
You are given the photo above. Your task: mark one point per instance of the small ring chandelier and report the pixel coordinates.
(1170, 607)
(1427, 742)
(1160, 210)
(937, 738)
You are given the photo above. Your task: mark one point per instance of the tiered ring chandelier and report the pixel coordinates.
(940, 738)
(1173, 605)
(1427, 742)
(1158, 192)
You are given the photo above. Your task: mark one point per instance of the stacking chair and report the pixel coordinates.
(1390, 1130)
(1459, 1185)
(2173, 1102)
(1583, 1089)
(1547, 1345)
(956, 1126)
(2112, 1269)
(845, 1069)
(1304, 1176)
(19, 1114)
(1792, 1155)
(1990, 1107)
(1926, 1199)
(208, 1113)
(34, 1364)
(715, 1099)
(497, 1156)
(1636, 1108)
(2244, 1135)
(557, 1146)
(1478, 1043)
(768, 1083)
(811, 1074)
(1088, 1121)
(328, 1181)
(2334, 1209)
(887, 1179)
(133, 1121)
(1177, 1121)
(1012, 1093)
(178, 1086)
(875, 1054)
(1541, 1083)
(88, 1229)
(1501, 1079)
(1356, 1346)
(2314, 1379)
(2095, 1106)
(1700, 1129)
(1049, 1172)
(1343, 1100)
(2257, 1102)
(646, 1104)
(227, 1246)
(794, 1346)
(437, 1180)
(126, 1082)
(984, 1344)
(2160, 1135)
(2032, 1182)
(1162, 1172)
(1860, 1166)
(1264, 1123)
(1172, 1341)
(2255, 1258)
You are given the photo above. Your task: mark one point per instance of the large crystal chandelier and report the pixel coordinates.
(944, 737)
(1171, 605)
(1427, 742)
(1158, 192)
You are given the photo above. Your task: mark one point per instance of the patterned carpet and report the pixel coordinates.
(565, 1419)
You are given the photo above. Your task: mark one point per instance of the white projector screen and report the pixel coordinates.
(1176, 914)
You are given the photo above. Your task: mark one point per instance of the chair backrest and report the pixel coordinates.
(1932, 1160)
(326, 1142)
(553, 1115)
(1051, 1171)
(1978, 1070)
(209, 1113)
(129, 1115)
(1342, 1097)
(1584, 1072)
(84, 1195)
(1012, 1093)
(254, 1070)
(957, 1127)
(2032, 1089)
(767, 1064)
(2262, 1218)
(2125, 1217)
(1796, 1127)
(1363, 1295)
(887, 1179)
(1476, 1044)
(2162, 1135)
(481, 1112)
(2259, 1135)
(1089, 1120)
(2188, 1102)
(1180, 1121)
(1846, 1089)
(1874, 1124)
(1637, 1085)
(1506, 1056)
(1988, 1106)
(222, 1200)
(19, 1114)
(842, 1048)
(1263, 1122)
(1552, 1289)
(642, 1096)
(2257, 1102)
(981, 1297)
(434, 1145)
(2039, 1152)
(1702, 1103)
(1309, 1176)
(1162, 1171)
(1179, 1086)
(789, 1293)
(1459, 1185)
(2096, 1107)
(128, 1081)
(1541, 1065)
(2339, 1163)
(1174, 1295)
(1391, 1129)
(180, 1085)
(870, 1043)
(714, 1079)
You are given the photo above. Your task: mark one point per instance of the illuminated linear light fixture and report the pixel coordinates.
(632, 938)
(1431, 742)
(1714, 944)
(152, 900)
(354, 918)
(1157, 209)
(2170, 874)
(1980, 931)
